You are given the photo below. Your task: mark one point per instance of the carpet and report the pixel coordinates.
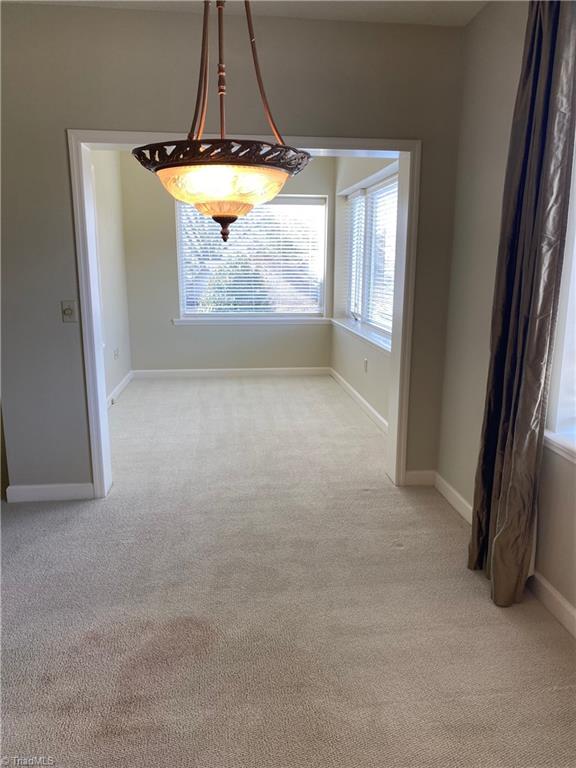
(254, 593)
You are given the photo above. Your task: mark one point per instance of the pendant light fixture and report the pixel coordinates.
(223, 178)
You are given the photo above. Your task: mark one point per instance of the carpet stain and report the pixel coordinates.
(169, 649)
(205, 675)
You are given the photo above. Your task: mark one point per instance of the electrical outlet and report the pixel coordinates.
(116, 353)
(69, 311)
(365, 365)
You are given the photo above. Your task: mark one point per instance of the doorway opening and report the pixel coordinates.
(357, 238)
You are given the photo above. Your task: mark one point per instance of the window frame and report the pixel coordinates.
(556, 440)
(260, 318)
(353, 321)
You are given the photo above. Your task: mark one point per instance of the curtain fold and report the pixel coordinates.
(532, 238)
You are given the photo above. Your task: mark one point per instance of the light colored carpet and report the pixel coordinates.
(255, 594)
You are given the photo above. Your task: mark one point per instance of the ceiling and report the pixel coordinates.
(436, 12)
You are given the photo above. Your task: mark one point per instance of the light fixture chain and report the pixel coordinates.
(221, 68)
(265, 104)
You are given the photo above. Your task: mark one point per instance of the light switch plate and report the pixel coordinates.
(69, 310)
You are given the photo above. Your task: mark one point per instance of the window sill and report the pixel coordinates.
(365, 332)
(560, 445)
(251, 320)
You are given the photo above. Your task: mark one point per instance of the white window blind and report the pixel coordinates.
(356, 224)
(273, 262)
(372, 215)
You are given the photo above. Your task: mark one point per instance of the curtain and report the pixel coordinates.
(532, 238)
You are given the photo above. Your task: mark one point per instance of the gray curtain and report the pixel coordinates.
(532, 237)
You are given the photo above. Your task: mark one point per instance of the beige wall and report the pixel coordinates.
(348, 354)
(150, 238)
(353, 170)
(556, 550)
(494, 43)
(113, 292)
(102, 68)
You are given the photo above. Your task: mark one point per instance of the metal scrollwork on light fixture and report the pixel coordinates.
(223, 178)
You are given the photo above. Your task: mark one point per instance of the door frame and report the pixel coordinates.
(82, 142)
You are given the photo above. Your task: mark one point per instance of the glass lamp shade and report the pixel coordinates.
(222, 190)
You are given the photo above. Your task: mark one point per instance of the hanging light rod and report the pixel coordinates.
(223, 178)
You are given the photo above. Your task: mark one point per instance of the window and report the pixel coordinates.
(372, 217)
(273, 264)
(562, 403)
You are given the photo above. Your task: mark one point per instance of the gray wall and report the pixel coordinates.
(494, 43)
(101, 68)
(112, 263)
(150, 238)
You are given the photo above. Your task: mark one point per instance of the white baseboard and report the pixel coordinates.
(119, 388)
(364, 404)
(454, 498)
(199, 373)
(556, 603)
(55, 492)
(419, 477)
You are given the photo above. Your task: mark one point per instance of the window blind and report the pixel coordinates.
(272, 264)
(356, 224)
(381, 205)
(372, 215)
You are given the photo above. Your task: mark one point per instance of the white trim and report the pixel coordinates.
(91, 313)
(454, 498)
(119, 388)
(363, 331)
(379, 420)
(203, 373)
(56, 492)
(210, 319)
(554, 601)
(560, 445)
(403, 313)
(419, 477)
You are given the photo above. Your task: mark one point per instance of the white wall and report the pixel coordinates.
(494, 43)
(150, 238)
(113, 292)
(103, 68)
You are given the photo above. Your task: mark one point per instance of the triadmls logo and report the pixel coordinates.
(38, 760)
